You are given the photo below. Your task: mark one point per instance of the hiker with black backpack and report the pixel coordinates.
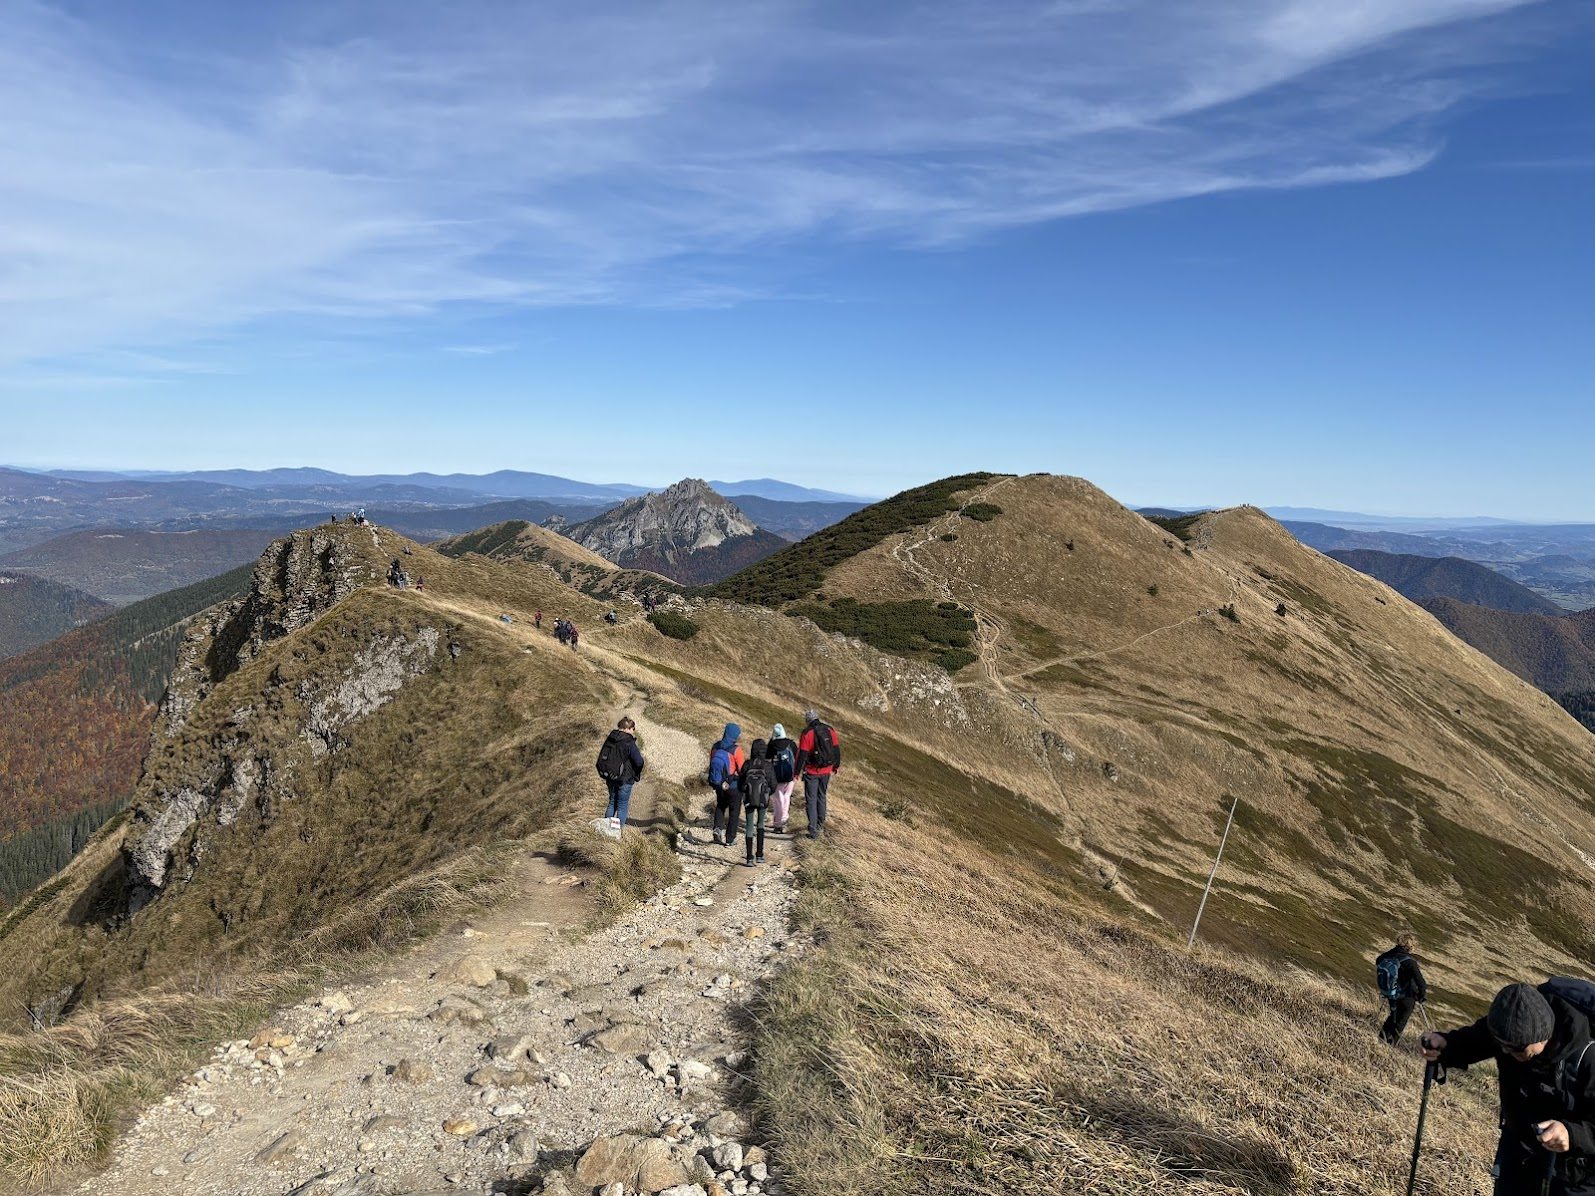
(725, 762)
(819, 759)
(1540, 1041)
(782, 753)
(1401, 983)
(756, 783)
(620, 763)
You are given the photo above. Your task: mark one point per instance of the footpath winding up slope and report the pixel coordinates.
(1047, 706)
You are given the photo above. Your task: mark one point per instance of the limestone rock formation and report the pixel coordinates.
(687, 532)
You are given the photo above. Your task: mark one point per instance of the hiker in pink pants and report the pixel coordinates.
(783, 753)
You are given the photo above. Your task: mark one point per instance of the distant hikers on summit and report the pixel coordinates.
(1401, 983)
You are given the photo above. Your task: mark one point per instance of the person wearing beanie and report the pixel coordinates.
(782, 752)
(725, 763)
(819, 759)
(1401, 983)
(1541, 1047)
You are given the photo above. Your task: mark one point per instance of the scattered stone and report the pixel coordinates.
(758, 1172)
(456, 1009)
(412, 1072)
(642, 1164)
(510, 1047)
(659, 1064)
(753, 932)
(691, 1071)
(729, 1155)
(492, 1077)
(460, 1127)
(280, 1147)
(469, 969)
(198, 1155)
(559, 1080)
(703, 901)
(728, 1124)
(512, 1109)
(622, 1039)
(337, 1002)
(718, 937)
(376, 1125)
(685, 1190)
(203, 1111)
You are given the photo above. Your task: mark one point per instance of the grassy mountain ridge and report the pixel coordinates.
(1420, 577)
(1017, 848)
(34, 610)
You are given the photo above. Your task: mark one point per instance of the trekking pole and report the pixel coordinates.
(1190, 942)
(1430, 1071)
(1423, 1008)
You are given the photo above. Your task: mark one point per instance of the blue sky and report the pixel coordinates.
(1320, 252)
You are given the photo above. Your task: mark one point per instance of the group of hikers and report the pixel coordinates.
(746, 787)
(1540, 1040)
(397, 576)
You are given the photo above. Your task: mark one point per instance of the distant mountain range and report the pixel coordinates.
(123, 566)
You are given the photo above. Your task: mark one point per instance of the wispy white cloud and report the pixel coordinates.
(387, 159)
(478, 350)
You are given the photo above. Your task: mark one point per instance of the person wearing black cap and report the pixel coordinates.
(1541, 1047)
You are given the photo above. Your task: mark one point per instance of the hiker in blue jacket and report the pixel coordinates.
(1401, 983)
(725, 764)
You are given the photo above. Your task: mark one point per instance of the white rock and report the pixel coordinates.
(729, 1156)
(659, 1064)
(204, 1110)
(513, 1109)
(337, 1002)
(759, 1172)
(703, 901)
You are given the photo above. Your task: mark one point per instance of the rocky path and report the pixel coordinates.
(516, 1054)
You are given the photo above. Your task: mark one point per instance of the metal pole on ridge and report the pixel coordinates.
(1190, 942)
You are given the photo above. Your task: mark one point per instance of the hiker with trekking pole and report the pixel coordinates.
(1540, 1041)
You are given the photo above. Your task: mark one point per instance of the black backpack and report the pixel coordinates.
(823, 753)
(612, 759)
(758, 782)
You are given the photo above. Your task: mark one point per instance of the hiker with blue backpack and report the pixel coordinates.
(1540, 1041)
(725, 765)
(1401, 983)
(782, 753)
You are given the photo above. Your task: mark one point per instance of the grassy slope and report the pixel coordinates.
(1556, 653)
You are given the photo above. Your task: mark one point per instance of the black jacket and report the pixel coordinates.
(1556, 1085)
(756, 781)
(631, 767)
(1413, 984)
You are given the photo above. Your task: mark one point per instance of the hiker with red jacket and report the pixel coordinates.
(1540, 1041)
(725, 765)
(819, 758)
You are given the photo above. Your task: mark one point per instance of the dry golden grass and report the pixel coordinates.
(966, 1026)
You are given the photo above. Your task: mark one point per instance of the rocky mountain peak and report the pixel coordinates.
(686, 517)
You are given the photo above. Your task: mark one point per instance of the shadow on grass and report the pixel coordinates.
(1191, 1151)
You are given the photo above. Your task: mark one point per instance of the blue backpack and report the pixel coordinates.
(1388, 974)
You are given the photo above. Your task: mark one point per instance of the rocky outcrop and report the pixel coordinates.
(241, 765)
(297, 579)
(687, 533)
